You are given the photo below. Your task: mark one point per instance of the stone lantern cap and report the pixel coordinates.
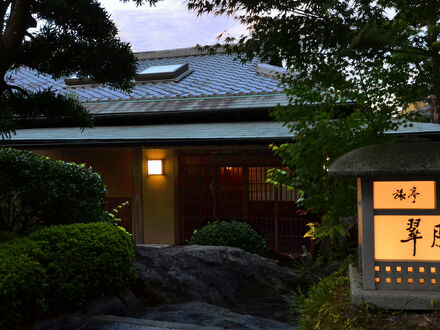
(390, 159)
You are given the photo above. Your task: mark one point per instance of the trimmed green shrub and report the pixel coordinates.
(37, 191)
(229, 233)
(85, 261)
(21, 283)
(58, 268)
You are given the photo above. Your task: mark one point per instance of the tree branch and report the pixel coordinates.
(18, 88)
(4, 5)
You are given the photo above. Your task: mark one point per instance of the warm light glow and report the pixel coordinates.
(155, 167)
(404, 194)
(433, 270)
(399, 280)
(433, 281)
(394, 238)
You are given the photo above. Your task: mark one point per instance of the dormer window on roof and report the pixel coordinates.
(75, 80)
(164, 72)
(174, 72)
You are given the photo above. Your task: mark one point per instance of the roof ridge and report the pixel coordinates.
(177, 52)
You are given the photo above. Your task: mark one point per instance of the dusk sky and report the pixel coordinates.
(167, 25)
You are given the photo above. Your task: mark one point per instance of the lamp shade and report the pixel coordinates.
(155, 167)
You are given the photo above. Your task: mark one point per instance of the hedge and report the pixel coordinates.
(36, 191)
(22, 279)
(229, 233)
(59, 268)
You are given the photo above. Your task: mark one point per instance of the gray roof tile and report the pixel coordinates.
(151, 133)
(213, 75)
(171, 133)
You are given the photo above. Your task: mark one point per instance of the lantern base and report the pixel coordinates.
(391, 299)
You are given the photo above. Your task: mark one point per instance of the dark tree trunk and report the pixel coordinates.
(13, 35)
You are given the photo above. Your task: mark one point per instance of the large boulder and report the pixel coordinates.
(218, 275)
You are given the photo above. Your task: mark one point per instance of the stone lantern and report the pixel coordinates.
(399, 223)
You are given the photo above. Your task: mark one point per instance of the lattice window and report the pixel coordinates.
(260, 190)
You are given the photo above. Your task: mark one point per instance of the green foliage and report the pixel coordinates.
(84, 261)
(57, 269)
(18, 109)
(37, 191)
(229, 233)
(327, 305)
(112, 217)
(67, 41)
(22, 283)
(309, 268)
(353, 69)
(337, 43)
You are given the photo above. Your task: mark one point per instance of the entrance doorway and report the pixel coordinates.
(235, 187)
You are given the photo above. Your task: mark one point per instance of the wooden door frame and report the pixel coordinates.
(238, 157)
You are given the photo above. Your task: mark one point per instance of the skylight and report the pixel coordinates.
(162, 72)
(162, 69)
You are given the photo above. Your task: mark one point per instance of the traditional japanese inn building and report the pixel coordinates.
(188, 145)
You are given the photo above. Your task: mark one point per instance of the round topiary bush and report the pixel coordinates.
(57, 269)
(85, 261)
(37, 191)
(229, 233)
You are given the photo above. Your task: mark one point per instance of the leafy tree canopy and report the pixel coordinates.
(58, 38)
(354, 67)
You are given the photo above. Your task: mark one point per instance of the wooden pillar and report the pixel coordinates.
(138, 218)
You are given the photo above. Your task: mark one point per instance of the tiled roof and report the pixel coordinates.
(216, 75)
(184, 105)
(417, 128)
(150, 134)
(170, 134)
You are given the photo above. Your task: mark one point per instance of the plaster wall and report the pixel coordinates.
(159, 198)
(115, 165)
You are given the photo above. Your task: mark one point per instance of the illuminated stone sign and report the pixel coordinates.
(398, 224)
(404, 194)
(407, 237)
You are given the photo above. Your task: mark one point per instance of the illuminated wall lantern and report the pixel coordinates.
(155, 167)
(398, 223)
